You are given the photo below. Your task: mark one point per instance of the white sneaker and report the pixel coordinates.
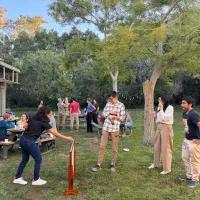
(20, 181)
(151, 166)
(39, 182)
(164, 172)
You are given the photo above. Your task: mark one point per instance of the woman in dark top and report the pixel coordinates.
(36, 125)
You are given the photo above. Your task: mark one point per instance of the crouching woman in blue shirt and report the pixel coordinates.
(36, 125)
(4, 125)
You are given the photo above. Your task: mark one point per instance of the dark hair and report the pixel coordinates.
(30, 115)
(42, 113)
(165, 100)
(189, 100)
(73, 99)
(112, 94)
(25, 115)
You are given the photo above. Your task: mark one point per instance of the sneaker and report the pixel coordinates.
(20, 181)
(151, 166)
(95, 169)
(164, 172)
(193, 184)
(77, 130)
(112, 168)
(39, 182)
(184, 178)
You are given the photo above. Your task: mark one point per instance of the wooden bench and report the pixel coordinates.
(49, 144)
(98, 127)
(4, 147)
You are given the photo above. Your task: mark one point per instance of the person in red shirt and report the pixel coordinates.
(74, 112)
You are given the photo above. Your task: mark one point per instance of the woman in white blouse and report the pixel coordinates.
(164, 135)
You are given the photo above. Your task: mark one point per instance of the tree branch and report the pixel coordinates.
(171, 62)
(168, 12)
(90, 21)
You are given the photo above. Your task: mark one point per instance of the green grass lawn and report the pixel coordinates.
(132, 180)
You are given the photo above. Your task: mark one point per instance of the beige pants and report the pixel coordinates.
(191, 159)
(104, 140)
(163, 146)
(72, 117)
(63, 118)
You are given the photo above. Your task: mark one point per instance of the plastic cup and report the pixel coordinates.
(154, 114)
(6, 140)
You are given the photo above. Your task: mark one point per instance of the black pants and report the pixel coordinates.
(89, 122)
(95, 117)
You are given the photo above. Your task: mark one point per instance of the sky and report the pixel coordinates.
(37, 7)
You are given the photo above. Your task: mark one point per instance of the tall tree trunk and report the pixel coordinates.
(115, 84)
(148, 88)
(149, 85)
(114, 80)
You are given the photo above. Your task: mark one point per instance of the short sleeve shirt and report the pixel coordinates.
(35, 128)
(192, 119)
(119, 108)
(96, 105)
(61, 108)
(75, 106)
(89, 108)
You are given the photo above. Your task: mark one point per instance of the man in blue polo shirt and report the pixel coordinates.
(4, 125)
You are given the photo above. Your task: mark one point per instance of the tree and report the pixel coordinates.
(40, 78)
(103, 14)
(166, 35)
(114, 52)
(3, 20)
(23, 25)
(169, 37)
(29, 25)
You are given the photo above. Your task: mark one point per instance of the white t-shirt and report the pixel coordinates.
(166, 117)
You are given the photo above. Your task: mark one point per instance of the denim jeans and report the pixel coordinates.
(29, 147)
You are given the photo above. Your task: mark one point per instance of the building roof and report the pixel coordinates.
(8, 66)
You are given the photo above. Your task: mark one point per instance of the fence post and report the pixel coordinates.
(71, 172)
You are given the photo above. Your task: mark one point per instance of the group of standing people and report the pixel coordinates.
(66, 109)
(164, 139)
(114, 113)
(72, 109)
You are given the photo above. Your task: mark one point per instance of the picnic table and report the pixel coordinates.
(82, 118)
(4, 147)
(14, 132)
(48, 143)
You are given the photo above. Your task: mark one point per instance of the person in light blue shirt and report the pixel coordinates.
(89, 116)
(4, 125)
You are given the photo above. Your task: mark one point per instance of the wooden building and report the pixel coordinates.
(8, 75)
